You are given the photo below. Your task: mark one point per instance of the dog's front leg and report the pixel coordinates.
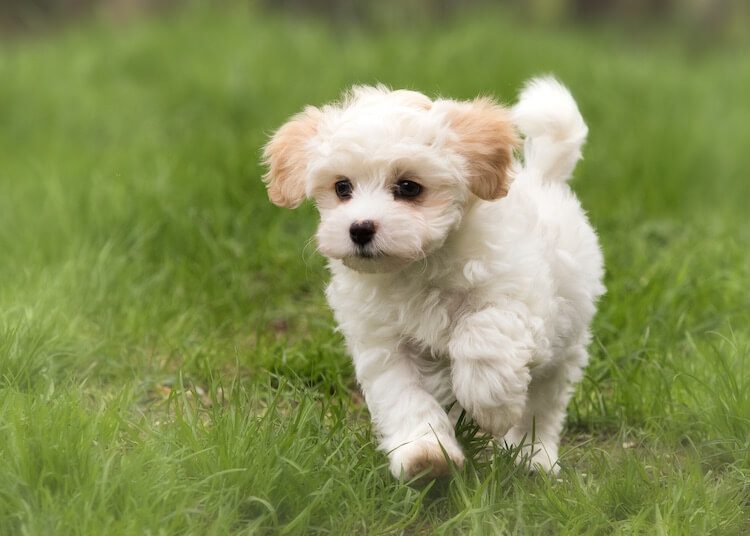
(414, 429)
(490, 352)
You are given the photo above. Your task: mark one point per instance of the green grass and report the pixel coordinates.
(167, 361)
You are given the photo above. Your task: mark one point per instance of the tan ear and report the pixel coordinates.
(285, 156)
(486, 139)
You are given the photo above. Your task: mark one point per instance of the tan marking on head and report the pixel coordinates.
(286, 157)
(486, 139)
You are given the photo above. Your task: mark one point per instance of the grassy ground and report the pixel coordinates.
(167, 361)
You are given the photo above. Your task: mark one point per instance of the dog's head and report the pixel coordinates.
(391, 172)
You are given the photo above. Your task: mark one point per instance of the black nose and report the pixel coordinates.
(362, 232)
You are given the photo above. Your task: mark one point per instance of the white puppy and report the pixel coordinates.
(460, 276)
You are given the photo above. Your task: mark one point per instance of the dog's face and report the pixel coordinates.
(390, 171)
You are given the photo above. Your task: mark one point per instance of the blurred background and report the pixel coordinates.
(700, 20)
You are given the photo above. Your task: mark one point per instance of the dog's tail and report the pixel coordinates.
(548, 117)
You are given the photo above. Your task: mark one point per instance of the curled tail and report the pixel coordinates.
(548, 117)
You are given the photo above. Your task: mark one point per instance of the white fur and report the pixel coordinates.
(554, 129)
(486, 304)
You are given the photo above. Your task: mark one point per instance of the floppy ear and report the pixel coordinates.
(285, 155)
(485, 138)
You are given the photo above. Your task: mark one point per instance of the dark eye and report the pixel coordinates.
(407, 189)
(344, 189)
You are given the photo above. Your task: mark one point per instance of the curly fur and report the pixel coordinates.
(478, 293)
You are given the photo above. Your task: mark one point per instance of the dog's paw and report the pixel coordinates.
(425, 455)
(538, 457)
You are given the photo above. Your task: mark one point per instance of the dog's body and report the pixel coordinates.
(456, 294)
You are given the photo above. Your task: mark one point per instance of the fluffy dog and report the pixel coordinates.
(461, 276)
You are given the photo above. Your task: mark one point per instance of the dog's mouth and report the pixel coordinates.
(368, 260)
(364, 252)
